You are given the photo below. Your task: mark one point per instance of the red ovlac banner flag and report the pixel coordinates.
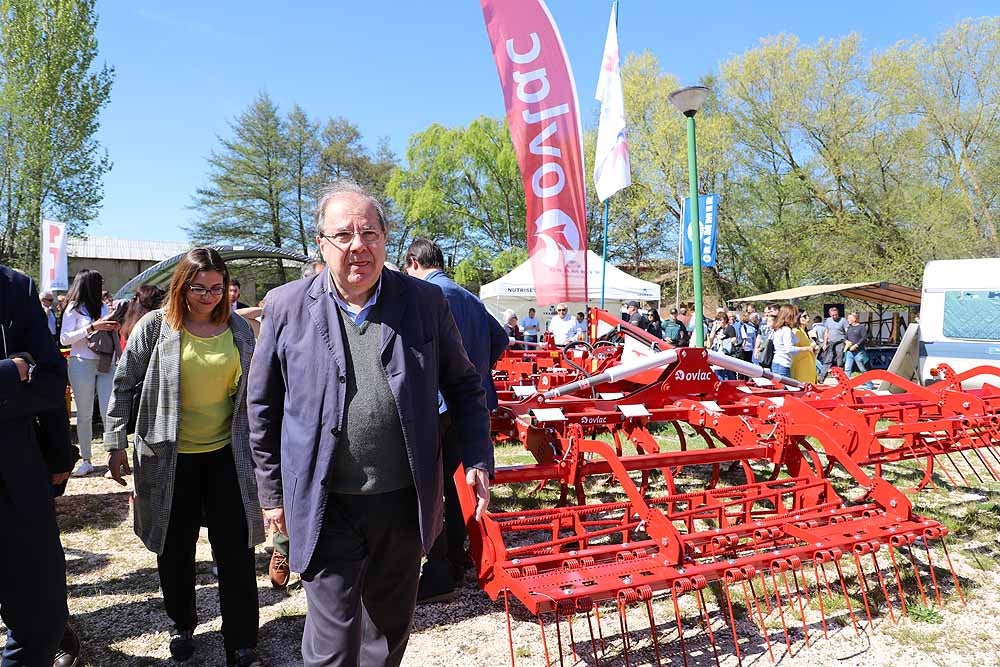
(540, 97)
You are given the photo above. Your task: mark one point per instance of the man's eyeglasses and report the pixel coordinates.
(343, 239)
(560, 310)
(198, 290)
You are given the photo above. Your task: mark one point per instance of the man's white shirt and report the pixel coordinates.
(562, 328)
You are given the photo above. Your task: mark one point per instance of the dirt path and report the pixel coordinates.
(116, 605)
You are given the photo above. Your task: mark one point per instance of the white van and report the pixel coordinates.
(960, 316)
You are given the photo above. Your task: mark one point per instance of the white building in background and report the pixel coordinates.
(118, 260)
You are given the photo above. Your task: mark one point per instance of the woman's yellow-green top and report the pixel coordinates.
(803, 364)
(210, 374)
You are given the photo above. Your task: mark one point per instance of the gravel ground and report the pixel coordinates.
(116, 606)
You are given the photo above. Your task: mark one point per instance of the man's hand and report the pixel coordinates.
(117, 465)
(22, 368)
(59, 477)
(479, 480)
(275, 518)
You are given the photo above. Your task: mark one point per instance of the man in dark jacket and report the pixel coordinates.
(343, 410)
(32, 385)
(484, 341)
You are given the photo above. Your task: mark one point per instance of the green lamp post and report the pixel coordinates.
(688, 101)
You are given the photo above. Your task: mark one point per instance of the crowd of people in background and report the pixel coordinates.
(790, 342)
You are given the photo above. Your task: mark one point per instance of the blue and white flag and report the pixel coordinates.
(611, 164)
(708, 208)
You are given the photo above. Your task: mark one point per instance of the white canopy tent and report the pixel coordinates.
(516, 290)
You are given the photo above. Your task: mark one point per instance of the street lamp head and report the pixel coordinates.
(689, 100)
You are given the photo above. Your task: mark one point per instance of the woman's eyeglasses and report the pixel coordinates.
(198, 290)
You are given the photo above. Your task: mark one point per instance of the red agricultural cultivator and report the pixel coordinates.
(740, 530)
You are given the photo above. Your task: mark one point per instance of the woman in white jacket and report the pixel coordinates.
(84, 316)
(784, 340)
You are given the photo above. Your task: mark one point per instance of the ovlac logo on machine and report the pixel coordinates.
(680, 375)
(560, 236)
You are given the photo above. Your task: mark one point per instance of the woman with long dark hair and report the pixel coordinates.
(189, 364)
(147, 298)
(655, 326)
(85, 316)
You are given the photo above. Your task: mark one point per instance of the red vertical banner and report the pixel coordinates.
(542, 112)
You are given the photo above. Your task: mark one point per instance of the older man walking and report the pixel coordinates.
(343, 414)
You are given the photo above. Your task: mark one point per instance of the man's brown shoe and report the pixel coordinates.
(68, 654)
(279, 570)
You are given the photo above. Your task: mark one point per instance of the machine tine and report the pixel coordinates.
(732, 622)
(760, 614)
(965, 482)
(707, 623)
(971, 467)
(986, 463)
(881, 582)
(623, 623)
(942, 468)
(572, 641)
(802, 609)
(680, 629)
(954, 576)
(826, 581)
(781, 612)
(510, 634)
(767, 596)
(600, 630)
(899, 580)
(819, 596)
(847, 597)
(593, 643)
(545, 644)
(916, 574)
(930, 568)
(559, 637)
(763, 626)
(863, 590)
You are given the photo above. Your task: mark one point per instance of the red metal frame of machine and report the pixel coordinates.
(764, 537)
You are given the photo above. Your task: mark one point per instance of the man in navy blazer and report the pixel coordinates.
(343, 407)
(32, 385)
(484, 341)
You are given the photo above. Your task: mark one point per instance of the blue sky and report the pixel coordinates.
(186, 69)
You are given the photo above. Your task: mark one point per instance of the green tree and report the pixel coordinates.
(303, 150)
(250, 185)
(51, 95)
(462, 187)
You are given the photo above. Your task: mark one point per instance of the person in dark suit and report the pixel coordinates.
(234, 295)
(32, 461)
(343, 410)
(484, 341)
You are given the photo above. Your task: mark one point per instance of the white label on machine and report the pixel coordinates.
(548, 414)
(777, 400)
(760, 382)
(634, 410)
(611, 395)
(523, 390)
(711, 406)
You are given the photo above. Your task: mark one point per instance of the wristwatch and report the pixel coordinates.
(28, 359)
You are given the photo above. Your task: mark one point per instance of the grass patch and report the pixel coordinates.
(923, 614)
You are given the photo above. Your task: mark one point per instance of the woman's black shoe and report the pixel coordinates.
(181, 645)
(243, 657)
